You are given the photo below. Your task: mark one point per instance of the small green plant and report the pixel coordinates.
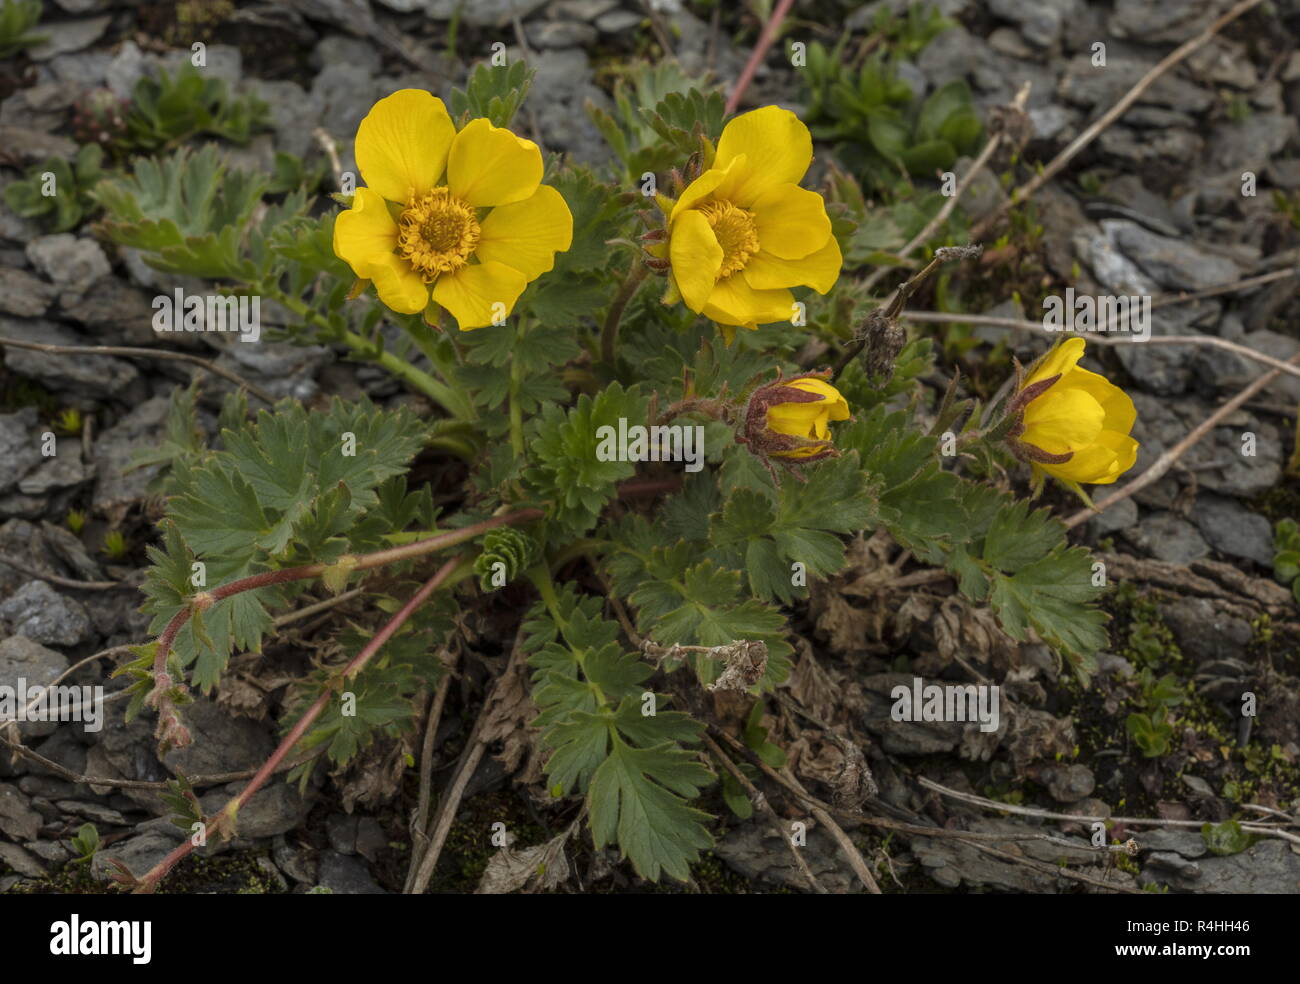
(885, 134)
(1286, 555)
(99, 117)
(1151, 731)
(76, 521)
(86, 843)
(57, 193)
(115, 546)
(1289, 206)
(17, 18)
(68, 422)
(172, 108)
(1225, 838)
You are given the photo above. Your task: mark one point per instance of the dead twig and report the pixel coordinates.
(1059, 162)
(164, 354)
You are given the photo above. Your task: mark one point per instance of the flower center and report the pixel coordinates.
(437, 234)
(736, 234)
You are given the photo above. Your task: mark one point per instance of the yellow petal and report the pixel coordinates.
(1059, 359)
(472, 292)
(1062, 422)
(734, 302)
(832, 400)
(398, 285)
(1118, 406)
(402, 144)
(820, 270)
(792, 222)
(1101, 463)
(778, 148)
(700, 189)
(365, 233)
(527, 234)
(696, 258)
(489, 165)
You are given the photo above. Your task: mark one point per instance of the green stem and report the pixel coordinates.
(516, 408)
(609, 332)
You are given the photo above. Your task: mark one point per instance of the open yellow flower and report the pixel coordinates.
(1075, 424)
(461, 218)
(743, 233)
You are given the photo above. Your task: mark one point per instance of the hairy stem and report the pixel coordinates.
(609, 331)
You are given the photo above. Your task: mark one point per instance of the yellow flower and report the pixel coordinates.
(743, 233)
(459, 217)
(804, 419)
(1075, 425)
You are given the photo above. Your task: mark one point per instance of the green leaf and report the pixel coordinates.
(1223, 839)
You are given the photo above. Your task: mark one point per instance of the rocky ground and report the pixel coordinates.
(1154, 206)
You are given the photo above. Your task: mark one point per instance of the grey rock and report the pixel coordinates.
(139, 853)
(1166, 537)
(1155, 21)
(1086, 85)
(1142, 148)
(18, 821)
(20, 445)
(1172, 263)
(43, 615)
(1266, 868)
(904, 737)
(66, 36)
(222, 743)
(34, 147)
(1203, 631)
(52, 851)
(61, 471)
(125, 70)
(338, 49)
(222, 61)
(120, 313)
(1224, 62)
(617, 22)
(1198, 786)
(1050, 121)
(345, 875)
(560, 34)
(561, 88)
(20, 861)
(1250, 143)
(1279, 347)
(20, 539)
(73, 264)
(483, 13)
(371, 839)
(754, 851)
(24, 295)
(1233, 530)
(274, 809)
(298, 864)
(1040, 23)
(1174, 864)
(1168, 369)
(117, 490)
(1066, 783)
(343, 94)
(72, 552)
(581, 10)
(294, 113)
(952, 863)
(23, 658)
(93, 812)
(342, 832)
(85, 69)
(1188, 843)
(1118, 517)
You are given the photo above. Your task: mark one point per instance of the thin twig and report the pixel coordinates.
(63, 582)
(421, 819)
(1029, 811)
(166, 354)
(1110, 116)
(763, 806)
(765, 40)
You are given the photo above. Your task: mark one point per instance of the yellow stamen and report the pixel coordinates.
(437, 234)
(736, 234)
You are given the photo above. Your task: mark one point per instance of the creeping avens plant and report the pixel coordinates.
(629, 580)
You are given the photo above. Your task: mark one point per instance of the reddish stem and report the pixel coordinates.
(765, 41)
(150, 880)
